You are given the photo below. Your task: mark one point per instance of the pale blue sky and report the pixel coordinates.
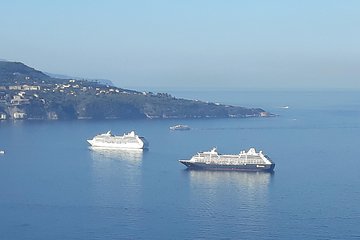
(185, 44)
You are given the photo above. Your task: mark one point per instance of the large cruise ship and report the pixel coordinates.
(244, 161)
(127, 141)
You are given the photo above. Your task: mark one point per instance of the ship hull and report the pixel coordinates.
(243, 167)
(140, 145)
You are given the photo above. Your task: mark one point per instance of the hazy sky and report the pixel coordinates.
(185, 44)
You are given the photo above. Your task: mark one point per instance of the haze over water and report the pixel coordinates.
(52, 186)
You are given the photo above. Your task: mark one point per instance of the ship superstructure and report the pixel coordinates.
(244, 161)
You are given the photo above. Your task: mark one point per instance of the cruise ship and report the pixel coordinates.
(127, 141)
(244, 161)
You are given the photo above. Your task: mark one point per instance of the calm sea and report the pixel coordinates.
(52, 186)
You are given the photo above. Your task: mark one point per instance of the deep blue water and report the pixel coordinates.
(52, 186)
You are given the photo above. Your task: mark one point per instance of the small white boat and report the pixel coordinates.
(180, 127)
(2, 152)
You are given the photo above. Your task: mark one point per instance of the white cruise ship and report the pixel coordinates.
(126, 141)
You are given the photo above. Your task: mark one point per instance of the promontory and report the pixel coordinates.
(26, 93)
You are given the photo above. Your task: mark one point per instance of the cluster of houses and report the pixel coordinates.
(14, 97)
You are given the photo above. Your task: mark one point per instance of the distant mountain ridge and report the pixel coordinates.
(27, 93)
(61, 76)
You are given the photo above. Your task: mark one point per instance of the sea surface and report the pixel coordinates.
(52, 186)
